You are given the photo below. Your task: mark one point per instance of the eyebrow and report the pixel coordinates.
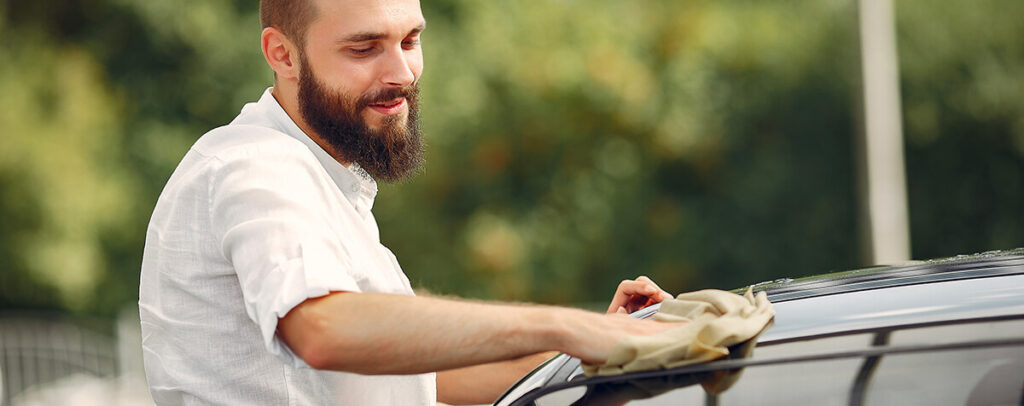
(373, 36)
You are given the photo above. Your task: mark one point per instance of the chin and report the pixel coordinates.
(377, 121)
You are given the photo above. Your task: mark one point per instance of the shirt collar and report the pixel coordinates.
(354, 182)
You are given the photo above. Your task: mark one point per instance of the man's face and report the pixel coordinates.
(357, 85)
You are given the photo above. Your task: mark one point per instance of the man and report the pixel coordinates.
(264, 280)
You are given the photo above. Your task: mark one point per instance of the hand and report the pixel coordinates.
(633, 295)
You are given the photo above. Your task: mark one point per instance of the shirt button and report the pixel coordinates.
(355, 187)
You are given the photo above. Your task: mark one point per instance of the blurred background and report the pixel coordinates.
(571, 144)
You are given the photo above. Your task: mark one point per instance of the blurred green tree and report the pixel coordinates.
(571, 144)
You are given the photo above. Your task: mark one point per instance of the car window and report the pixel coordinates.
(964, 362)
(945, 377)
(953, 333)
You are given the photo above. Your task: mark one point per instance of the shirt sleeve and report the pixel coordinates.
(278, 225)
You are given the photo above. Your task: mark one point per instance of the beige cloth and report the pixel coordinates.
(715, 320)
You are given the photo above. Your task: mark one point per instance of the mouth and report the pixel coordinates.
(389, 107)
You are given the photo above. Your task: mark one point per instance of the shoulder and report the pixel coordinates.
(235, 152)
(244, 141)
(259, 158)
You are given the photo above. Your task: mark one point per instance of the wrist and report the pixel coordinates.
(561, 327)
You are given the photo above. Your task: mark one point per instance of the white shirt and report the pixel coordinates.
(256, 219)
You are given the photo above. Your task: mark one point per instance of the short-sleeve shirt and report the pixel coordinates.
(256, 219)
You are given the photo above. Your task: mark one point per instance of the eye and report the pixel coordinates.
(411, 42)
(362, 51)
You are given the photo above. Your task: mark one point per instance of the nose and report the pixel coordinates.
(397, 69)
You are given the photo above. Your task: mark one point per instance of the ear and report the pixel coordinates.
(280, 53)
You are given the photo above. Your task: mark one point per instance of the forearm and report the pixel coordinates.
(482, 384)
(372, 333)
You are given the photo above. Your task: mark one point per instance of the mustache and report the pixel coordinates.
(383, 95)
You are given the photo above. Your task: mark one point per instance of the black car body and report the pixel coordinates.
(947, 331)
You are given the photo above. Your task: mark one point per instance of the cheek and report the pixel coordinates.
(342, 75)
(354, 79)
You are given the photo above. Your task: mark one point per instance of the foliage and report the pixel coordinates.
(572, 144)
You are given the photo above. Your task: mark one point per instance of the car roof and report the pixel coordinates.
(991, 263)
(991, 285)
(870, 304)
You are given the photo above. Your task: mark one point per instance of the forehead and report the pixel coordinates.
(339, 18)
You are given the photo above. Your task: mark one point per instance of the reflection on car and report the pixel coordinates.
(947, 331)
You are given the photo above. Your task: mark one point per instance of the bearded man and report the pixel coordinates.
(264, 281)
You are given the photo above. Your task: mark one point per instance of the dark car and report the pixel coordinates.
(940, 332)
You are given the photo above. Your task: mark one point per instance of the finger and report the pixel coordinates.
(631, 291)
(660, 295)
(622, 310)
(651, 283)
(638, 288)
(646, 290)
(624, 291)
(637, 294)
(643, 278)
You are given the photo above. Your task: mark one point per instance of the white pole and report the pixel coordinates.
(885, 178)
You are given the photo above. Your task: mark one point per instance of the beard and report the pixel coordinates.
(391, 153)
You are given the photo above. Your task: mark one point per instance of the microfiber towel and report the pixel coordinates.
(715, 320)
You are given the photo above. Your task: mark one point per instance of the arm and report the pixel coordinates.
(373, 333)
(484, 383)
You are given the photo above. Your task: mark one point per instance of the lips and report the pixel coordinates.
(389, 107)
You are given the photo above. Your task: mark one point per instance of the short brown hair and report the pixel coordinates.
(292, 17)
